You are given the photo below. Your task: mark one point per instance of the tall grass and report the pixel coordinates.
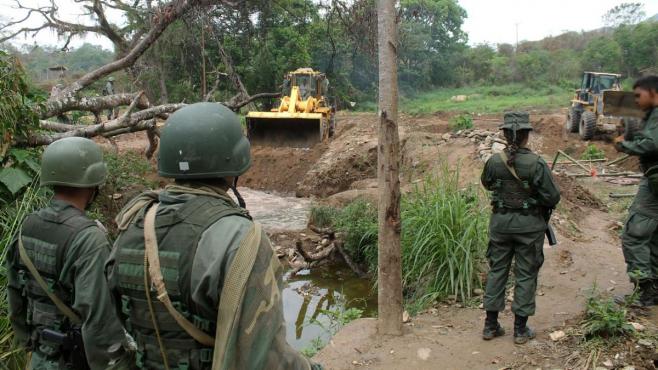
(444, 237)
(11, 216)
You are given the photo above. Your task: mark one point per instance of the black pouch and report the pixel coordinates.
(76, 350)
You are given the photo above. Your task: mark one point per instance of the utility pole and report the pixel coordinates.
(388, 173)
(204, 84)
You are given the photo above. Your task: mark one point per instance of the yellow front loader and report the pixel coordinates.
(303, 118)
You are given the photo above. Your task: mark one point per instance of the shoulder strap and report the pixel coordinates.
(511, 169)
(230, 302)
(66, 310)
(151, 251)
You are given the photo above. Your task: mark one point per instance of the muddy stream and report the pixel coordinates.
(308, 296)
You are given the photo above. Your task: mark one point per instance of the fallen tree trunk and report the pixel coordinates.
(116, 126)
(127, 123)
(54, 108)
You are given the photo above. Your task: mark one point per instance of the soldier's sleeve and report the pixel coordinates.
(215, 252)
(487, 178)
(102, 332)
(645, 142)
(17, 303)
(548, 193)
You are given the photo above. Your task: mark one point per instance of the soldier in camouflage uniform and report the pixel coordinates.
(222, 307)
(523, 194)
(66, 249)
(640, 237)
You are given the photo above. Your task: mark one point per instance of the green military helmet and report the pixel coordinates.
(516, 121)
(73, 161)
(203, 140)
(110, 79)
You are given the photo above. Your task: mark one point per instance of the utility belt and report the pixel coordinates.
(534, 211)
(182, 353)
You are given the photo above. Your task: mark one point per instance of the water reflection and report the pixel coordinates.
(306, 297)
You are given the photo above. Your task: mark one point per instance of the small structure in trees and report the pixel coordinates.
(56, 72)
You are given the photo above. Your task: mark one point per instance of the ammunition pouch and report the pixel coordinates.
(182, 353)
(512, 195)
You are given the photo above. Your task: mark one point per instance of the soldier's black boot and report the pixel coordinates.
(644, 295)
(522, 333)
(492, 328)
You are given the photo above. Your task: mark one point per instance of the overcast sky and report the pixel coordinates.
(489, 21)
(494, 21)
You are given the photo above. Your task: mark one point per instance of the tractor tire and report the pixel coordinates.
(631, 127)
(573, 120)
(587, 125)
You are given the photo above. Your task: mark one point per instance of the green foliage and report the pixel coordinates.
(126, 172)
(17, 104)
(38, 59)
(461, 122)
(322, 216)
(604, 318)
(127, 169)
(11, 216)
(444, 232)
(592, 152)
(358, 223)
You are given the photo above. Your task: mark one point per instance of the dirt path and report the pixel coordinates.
(449, 338)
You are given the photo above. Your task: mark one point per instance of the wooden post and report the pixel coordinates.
(388, 164)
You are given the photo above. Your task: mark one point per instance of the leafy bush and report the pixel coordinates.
(358, 223)
(604, 318)
(461, 122)
(592, 152)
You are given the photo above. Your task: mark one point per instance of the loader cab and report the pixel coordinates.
(310, 83)
(595, 83)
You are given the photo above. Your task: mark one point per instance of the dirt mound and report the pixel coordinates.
(280, 169)
(576, 194)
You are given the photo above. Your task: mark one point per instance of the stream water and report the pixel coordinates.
(308, 296)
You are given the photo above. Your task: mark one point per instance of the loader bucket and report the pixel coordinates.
(283, 129)
(621, 104)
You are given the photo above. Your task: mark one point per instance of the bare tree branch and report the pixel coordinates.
(235, 104)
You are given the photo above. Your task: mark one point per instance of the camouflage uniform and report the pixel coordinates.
(202, 237)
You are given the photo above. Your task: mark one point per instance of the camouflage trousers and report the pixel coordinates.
(526, 250)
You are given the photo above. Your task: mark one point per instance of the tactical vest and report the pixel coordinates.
(178, 233)
(510, 194)
(46, 237)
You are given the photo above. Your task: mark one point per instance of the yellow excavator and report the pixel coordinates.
(303, 118)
